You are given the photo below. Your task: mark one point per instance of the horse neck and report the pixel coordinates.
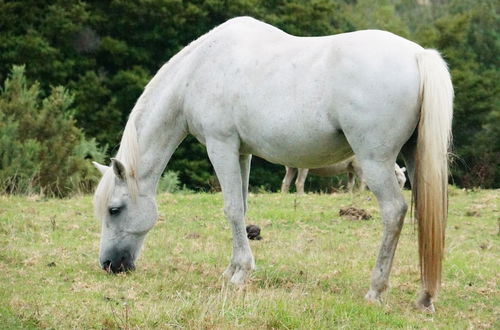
(160, 127)
(158, 119)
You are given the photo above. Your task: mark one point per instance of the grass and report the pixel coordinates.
(313, 267)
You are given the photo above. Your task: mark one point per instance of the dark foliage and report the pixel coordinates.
(104, 52)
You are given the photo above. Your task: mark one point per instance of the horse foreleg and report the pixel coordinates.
(245, 161)
(301, 179)
(287, 180)
(382, 182)
(232, 171)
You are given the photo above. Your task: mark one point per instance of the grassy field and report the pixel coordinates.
(313, 267)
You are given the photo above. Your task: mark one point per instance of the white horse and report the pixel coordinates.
(249, 88)
(350, 166)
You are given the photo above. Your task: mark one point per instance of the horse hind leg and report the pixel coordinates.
(232, 171)
(356, 169)
(287, 180)
(382, 182)
(350, 181)
(362, 184)
(301, 179)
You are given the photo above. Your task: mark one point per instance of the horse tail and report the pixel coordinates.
(431, 172)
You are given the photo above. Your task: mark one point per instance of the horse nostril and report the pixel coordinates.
(107, 266)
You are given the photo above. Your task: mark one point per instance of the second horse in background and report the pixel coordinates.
(350, 166)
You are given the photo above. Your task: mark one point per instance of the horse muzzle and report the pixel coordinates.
(118, 262)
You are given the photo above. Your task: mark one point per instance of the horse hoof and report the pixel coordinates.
(240, 277)
(373, 298)
(424, 303)
(228, 273)
(236, 276)
(427, 309)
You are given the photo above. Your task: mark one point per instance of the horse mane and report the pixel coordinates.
(102, 194)
(128, 155)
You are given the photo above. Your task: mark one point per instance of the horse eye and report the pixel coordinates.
(114, 210)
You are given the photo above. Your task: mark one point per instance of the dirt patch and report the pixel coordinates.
(353, 213)
(192, 236)
(473, 213)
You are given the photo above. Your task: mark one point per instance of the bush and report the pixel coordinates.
(41, 149)
(169, 182)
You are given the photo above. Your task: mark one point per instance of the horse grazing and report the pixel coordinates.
(247, 88)
(350, 166)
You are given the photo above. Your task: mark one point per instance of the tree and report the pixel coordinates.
(106, 51)
(41, 149)
(466, 35)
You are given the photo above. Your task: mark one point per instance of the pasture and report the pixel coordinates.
(313, 267)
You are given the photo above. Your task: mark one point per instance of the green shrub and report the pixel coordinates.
(169, 182)
(41, 149)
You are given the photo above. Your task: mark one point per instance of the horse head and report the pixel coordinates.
(126, 216)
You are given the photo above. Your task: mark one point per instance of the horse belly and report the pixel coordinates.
(301, 149)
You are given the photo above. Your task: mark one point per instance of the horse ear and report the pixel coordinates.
(101, 168)
(119, 169)
(403, 169)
